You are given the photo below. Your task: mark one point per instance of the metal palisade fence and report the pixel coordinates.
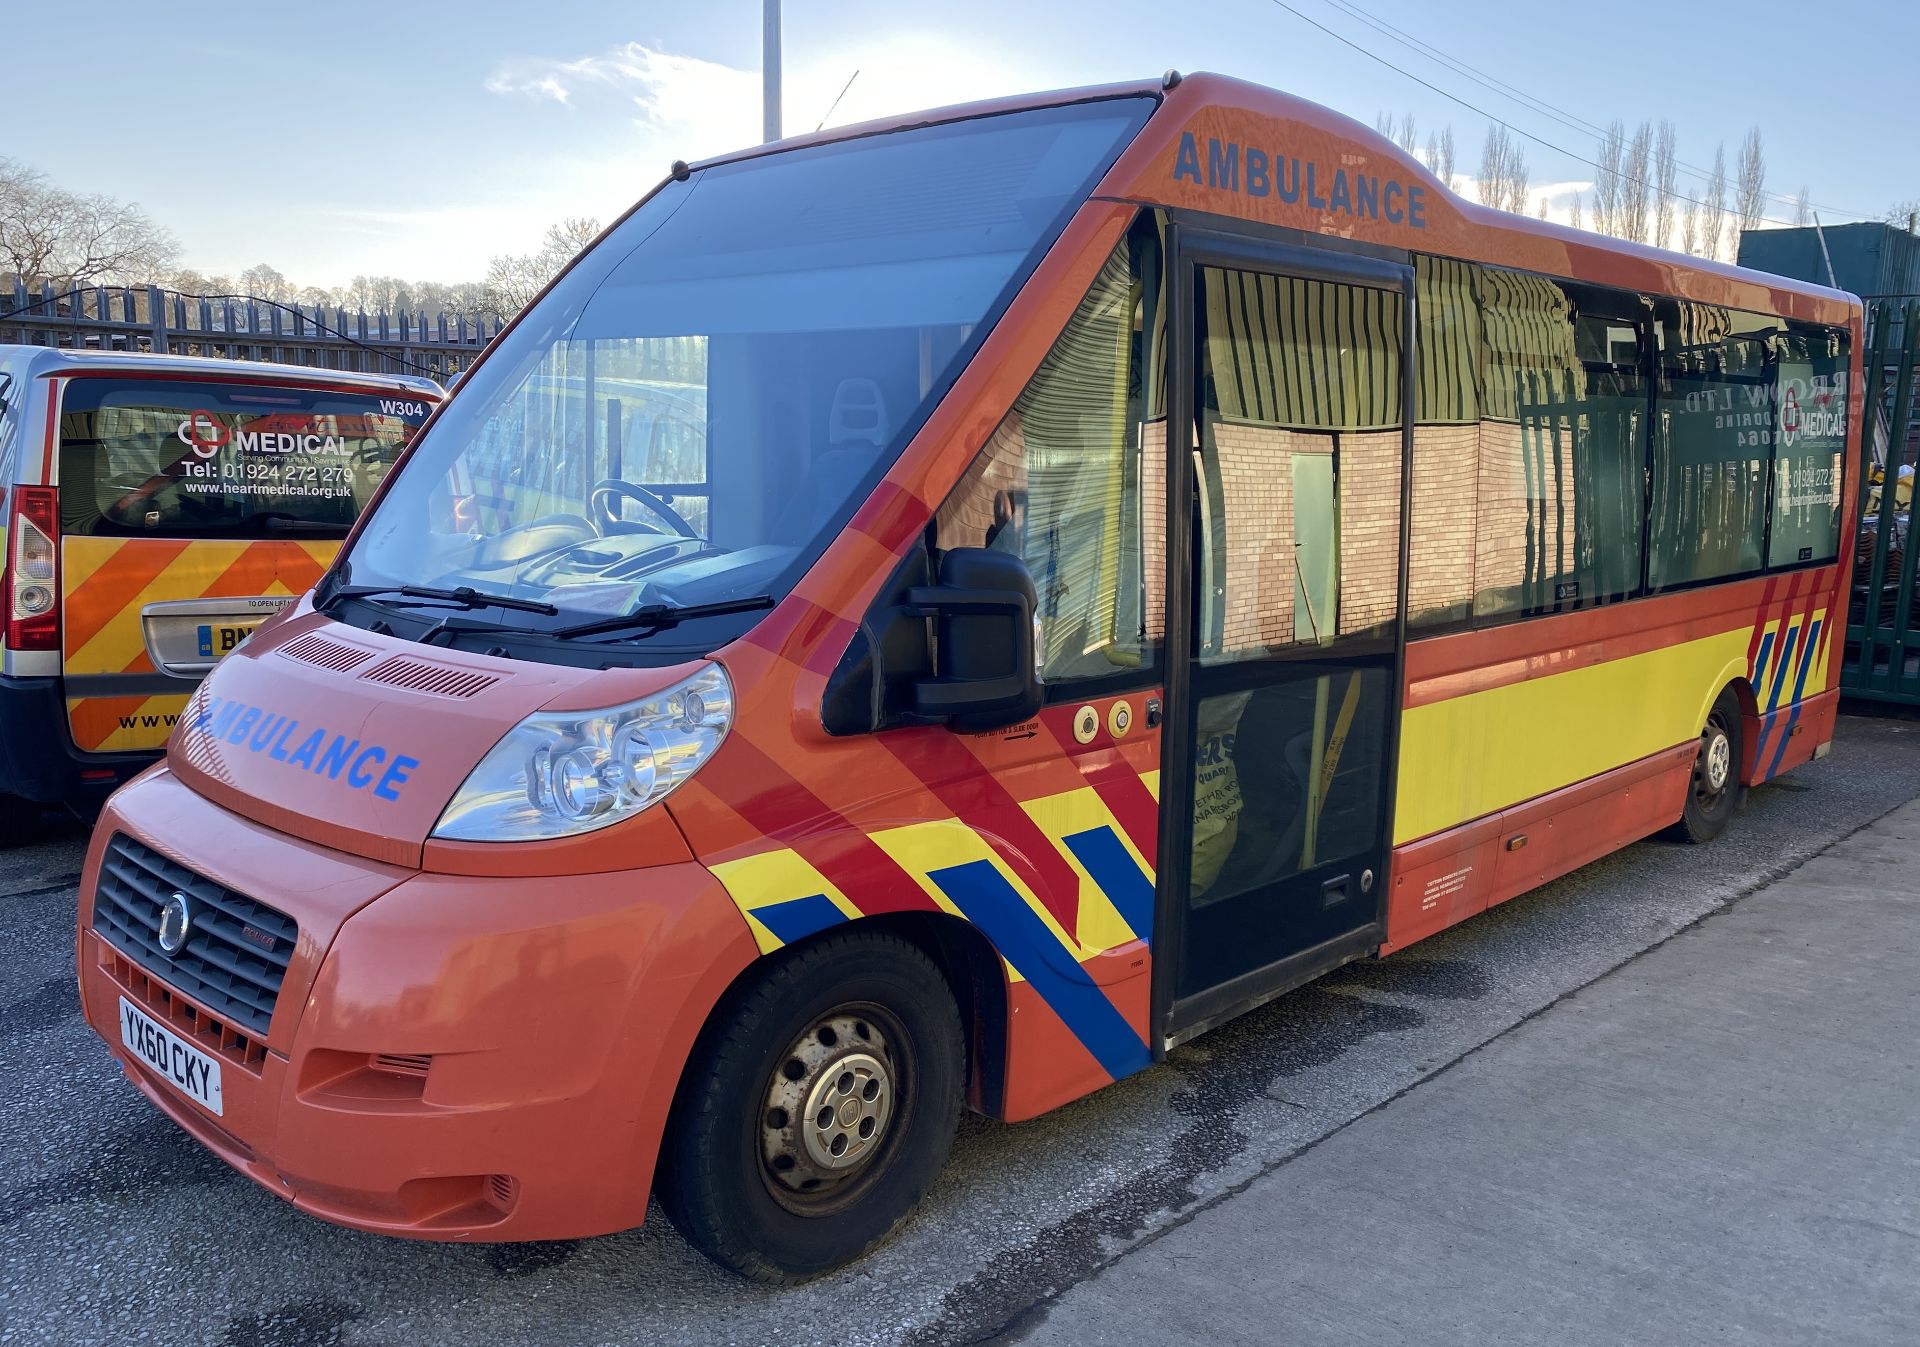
(1883, 621)
(149, 318)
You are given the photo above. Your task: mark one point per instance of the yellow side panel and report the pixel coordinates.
(1468, 756)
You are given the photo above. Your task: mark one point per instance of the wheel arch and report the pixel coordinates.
(972, 968)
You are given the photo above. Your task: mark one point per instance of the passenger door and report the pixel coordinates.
(1292, 390)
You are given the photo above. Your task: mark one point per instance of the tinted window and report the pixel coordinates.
(1713, 443)
(1562, 445)
(1529, 445)
(235, 460)
(1811, 392)
(1059, 483)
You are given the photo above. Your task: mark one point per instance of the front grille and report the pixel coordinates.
(237, 953)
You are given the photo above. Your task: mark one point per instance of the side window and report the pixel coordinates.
(1446, 444)
(1299, 474)
(1062, 484)
(1810, 390)
(1562, 445)
(1712, 443)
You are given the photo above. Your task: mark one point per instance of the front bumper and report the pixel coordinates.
(450, 1057)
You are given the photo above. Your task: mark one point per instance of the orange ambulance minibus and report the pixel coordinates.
(158, 508)
(939, 613)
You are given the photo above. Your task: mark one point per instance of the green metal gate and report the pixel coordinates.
(1882, 660)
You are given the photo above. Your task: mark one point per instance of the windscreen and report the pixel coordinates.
(702, 401)
(175, 458)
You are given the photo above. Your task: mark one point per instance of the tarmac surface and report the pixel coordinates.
(114, 1226)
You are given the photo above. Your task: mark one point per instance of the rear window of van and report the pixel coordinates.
(190, 459)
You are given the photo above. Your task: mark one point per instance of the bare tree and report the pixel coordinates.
(1409, 136)
(265, 282)
(1607, 185)
(1713, 206)
(1802, 208)
(1493, 166)
(1504, 175)
(1573, 215)
(514, 279)
(1665, 172)
(1750, 196)
(1635, 178)
(1905, 214)
(1443, 161)
(73, 238)
(1689, 227)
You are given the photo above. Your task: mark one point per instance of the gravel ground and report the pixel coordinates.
(114, 1226)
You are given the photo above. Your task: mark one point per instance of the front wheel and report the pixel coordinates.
(817, 1109)
(1715, 792)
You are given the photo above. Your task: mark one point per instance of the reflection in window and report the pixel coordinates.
(1713, 443)
(1811, 384)
(1561, 447)
(1299, 472)
(1529, 445)
(1059, 483)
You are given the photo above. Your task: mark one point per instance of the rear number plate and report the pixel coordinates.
(218, 638)
(188, 1069)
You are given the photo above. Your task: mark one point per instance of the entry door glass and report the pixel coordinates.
(1297, 463)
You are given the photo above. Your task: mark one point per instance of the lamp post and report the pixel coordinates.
(770, 69)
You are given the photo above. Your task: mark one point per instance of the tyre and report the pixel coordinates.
(816, 1110)
(1714, 794)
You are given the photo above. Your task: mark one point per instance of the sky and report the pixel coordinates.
(419, 141)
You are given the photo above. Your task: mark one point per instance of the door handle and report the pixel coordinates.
(1336, 890)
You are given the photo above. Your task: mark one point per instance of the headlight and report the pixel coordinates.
(563, 772)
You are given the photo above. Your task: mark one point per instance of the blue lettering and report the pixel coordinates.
(336, 756)
(223, 719)
(278, 751)
(1314, 199)
(1287, 194)
(1186, 161)
(1223, 166)
(207, 710)
(1394, 213)
(264, 735)
(396, 776)
(1366, 196)
(1417, 207)
(1258, 183)
(244, 724)
(303, 755)
(1340, 200)
(358, 779)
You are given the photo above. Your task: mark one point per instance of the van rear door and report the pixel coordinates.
(190, 511)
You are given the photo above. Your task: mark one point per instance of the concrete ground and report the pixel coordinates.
(115, 1227)
(1718, 1142)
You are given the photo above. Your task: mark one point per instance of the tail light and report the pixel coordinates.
(33, 569)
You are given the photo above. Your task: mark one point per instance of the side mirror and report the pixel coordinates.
(983, 655)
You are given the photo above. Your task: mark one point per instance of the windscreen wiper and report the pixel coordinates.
(465, 597)
(657, 615)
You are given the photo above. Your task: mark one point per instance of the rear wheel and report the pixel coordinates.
(817, 1110)
(1715, 792)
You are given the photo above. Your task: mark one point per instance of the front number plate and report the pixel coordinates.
(190, 1070)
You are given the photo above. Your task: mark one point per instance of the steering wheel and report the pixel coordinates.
(606, 514)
